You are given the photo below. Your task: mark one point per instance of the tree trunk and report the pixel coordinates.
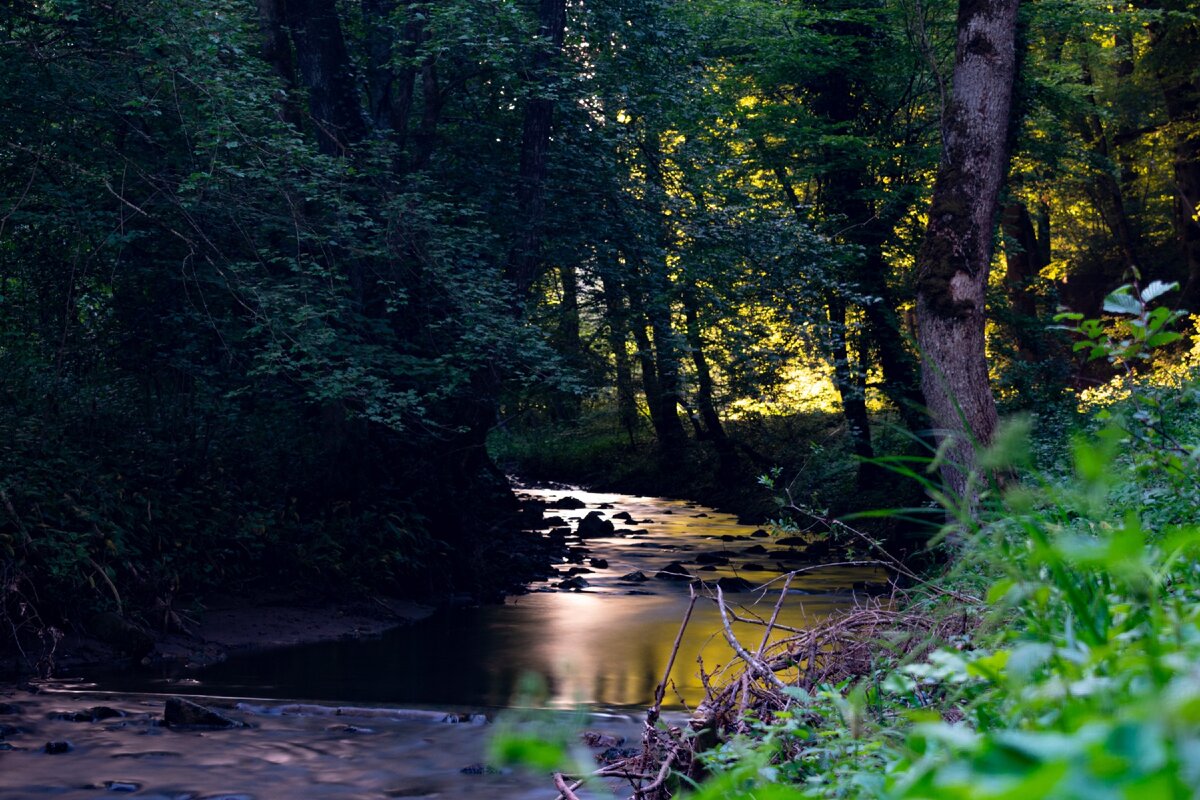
(660, 370)
(568, 405)
(1022, 260)
(1174, 42)
(333, 102)
(618, 334)
(714, 430)
(277, 52)
(952, 266)
(850, 387)
(525, 257)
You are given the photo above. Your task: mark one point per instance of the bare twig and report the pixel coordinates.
(565, 792)
(661, 690)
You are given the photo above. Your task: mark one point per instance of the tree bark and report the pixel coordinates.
(706, 404)
(333, 101)
(525, 258)
(952, 266)
(618, 334)
(1174, 42)
(850, 387)
(277, 52)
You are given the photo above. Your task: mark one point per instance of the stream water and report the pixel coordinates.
(600, 647)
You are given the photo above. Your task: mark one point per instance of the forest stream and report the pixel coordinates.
(367, 718)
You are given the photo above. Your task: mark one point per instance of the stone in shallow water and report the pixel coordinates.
(673, 572)
(481, 769)
(593, 525)
(122, 786)
(573, 584)
(58, 748)
(729, 584)
(567, 502)
(635, 577)
(180, 713)
(9, 709)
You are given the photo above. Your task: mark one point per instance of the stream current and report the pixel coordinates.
(600, 648)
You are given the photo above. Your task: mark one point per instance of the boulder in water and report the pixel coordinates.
(760, 534)
(567, 502)
(712, 558)
(575, 584)
(673, 572)
(755, 549)
(599, 563)
(180, 713)
(593, 525)
(625, 515)
(635, 577)
(731, 584)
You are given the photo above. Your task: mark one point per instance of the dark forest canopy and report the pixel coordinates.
(270, 274)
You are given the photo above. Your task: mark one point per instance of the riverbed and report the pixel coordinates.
(595, 637)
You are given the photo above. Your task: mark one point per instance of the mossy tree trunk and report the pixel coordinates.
(952, 267)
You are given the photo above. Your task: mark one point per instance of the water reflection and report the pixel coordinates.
(604, 647)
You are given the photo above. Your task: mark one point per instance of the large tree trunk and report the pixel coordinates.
(952, 266)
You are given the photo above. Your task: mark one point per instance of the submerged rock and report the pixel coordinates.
(625, 515)
(9, 709)
(635, 577)
(712, 558)
(760, 534)
(599, 563)
(58, 748)
(180, 713)
(755, 549)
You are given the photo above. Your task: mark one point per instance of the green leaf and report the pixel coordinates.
(1122, 302)
(1166, 337)
(1157, 289)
